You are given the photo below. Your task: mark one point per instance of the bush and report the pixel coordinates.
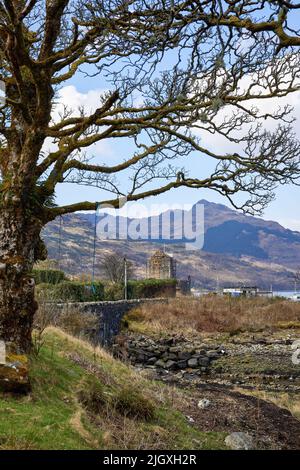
(126, 401)
(134, 315)
(133, 404)
(68, 291)
(48, 276)
(141, 289)
(114, 291)
(78, 323)
(150, 288)
(44, 293)
(92, 396)
(70, 319)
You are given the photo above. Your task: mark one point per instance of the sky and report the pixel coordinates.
(81, 90)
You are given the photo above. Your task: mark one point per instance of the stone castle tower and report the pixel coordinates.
(161, 266)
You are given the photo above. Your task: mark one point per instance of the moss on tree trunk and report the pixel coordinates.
(19, 239)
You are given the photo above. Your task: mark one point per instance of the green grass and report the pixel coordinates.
(54, 417)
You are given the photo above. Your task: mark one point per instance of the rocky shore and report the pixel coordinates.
(249, 360)
(168, 353)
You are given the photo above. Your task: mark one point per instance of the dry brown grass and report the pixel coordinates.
(215, 314)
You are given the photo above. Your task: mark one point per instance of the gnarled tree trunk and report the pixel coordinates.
(19, 242)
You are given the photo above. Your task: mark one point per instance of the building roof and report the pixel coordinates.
(159, 254)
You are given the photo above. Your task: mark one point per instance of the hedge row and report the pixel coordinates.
(48, 276)
(142, 289)
(69, 291)
(85, 292)
(150, 288)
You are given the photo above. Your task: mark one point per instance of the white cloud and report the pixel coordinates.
(292, 224)
(73, 100)
(70, 97)
(220, 144)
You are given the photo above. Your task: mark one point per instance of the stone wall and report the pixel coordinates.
(109, 315)
(172, 353)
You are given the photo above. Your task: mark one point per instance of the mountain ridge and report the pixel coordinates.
(237, 248)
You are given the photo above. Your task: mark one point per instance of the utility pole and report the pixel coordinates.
(59, 241)
(218, 284)
(125, 278)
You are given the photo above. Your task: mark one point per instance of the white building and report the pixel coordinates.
(246, 291)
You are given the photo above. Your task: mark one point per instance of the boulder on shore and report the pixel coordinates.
(239, 441)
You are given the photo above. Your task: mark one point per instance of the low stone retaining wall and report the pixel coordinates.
(109, 315)
(174, 353)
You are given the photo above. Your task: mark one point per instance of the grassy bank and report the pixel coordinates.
(82, 398)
